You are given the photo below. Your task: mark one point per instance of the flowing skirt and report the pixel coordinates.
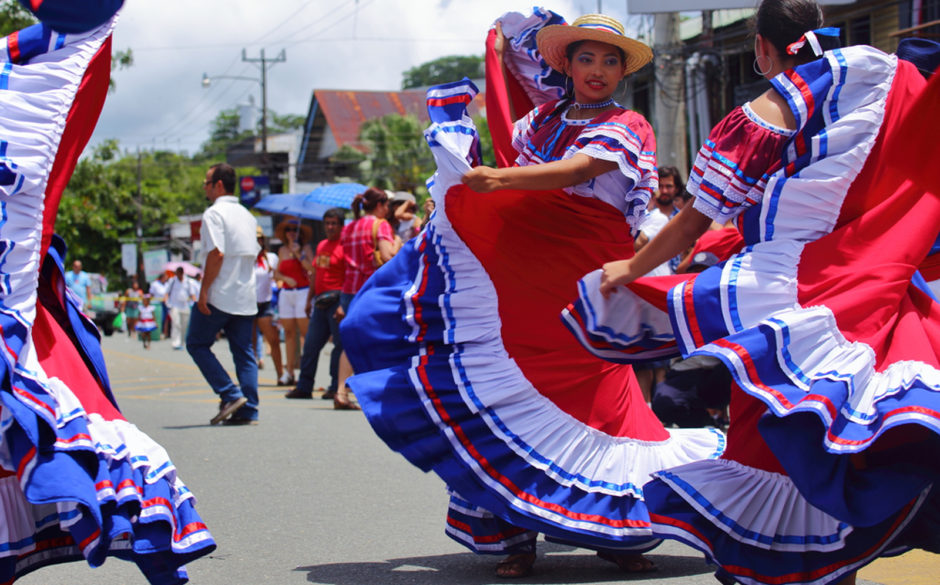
(77, 480)
(464, 367)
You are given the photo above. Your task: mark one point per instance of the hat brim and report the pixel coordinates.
(306, 229)
(553, 41)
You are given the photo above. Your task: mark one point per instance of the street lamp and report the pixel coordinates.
(264, 64)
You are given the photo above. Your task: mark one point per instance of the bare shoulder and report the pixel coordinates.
(773, 109)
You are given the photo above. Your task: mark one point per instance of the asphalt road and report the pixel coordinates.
(311, 495)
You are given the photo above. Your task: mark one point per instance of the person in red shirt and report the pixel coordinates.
(329, 273)
(295, 264)
(368, 242)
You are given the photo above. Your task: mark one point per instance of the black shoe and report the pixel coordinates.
(239, 422)
(227, 409)
(328, 395)
(298, 393)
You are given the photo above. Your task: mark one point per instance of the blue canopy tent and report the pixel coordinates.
(314, 204)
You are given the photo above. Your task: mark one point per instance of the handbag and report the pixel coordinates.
(326, 299)
(376, 256)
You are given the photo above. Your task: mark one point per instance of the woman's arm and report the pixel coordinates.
(678, 235)
(553, 175)
(306, 258)
(283, 254)
(387, 249)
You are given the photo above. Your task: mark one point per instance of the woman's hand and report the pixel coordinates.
(483, 179)
(616, 274)
(290, 282)
(500, 42)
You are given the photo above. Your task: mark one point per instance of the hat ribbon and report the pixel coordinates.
(831, 40)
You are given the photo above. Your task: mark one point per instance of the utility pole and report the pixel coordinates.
(668, 100)
(264, 64)
(140, 222)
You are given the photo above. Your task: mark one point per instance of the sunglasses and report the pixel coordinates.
(207, 183)
(290, 229)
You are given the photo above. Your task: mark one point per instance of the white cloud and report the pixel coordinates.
(330, 44)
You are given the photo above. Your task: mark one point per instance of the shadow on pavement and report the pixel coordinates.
(470, 569)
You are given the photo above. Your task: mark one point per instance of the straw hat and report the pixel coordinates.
(293, 221)
(554, 39)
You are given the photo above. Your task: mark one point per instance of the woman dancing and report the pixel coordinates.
(833, 350)
(77, 480)
(462, 363)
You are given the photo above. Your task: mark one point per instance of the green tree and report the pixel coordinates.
(222, 135)
(119, 60)
(286, 123)
(443, 70)
(99, 208)
(225, 131)
(398, 157)
(13, 17)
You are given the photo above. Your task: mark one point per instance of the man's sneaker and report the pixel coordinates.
(227, 409)
(238, 422)
(298, 393)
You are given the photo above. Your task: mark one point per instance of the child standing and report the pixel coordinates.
(146, 322)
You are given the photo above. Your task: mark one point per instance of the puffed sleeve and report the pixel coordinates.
(732, 167)
(523, 128)
(628, 140)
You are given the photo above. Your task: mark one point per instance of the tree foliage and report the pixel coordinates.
(224, 131)
(13, 17)
(398, 158)
(443, 70)
(223, 134)
(99, 207)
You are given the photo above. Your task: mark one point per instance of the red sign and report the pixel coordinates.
(247, 184)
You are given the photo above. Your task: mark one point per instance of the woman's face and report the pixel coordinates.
(595, 70)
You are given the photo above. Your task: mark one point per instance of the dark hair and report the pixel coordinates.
(335, 213)
(226, 174)
(368, 201)
(676, 177)
(783, 22)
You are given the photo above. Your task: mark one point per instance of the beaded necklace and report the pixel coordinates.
(597, 106)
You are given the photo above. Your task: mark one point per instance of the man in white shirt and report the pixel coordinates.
(226, 299)
(181, 293)
(662, 209)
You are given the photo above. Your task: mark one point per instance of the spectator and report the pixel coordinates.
(227, 299)
(79, 283)
(294, 267)
(403, 215)
(662, 209)
(181, 293)
(368, 242)
(265, 267)
(130, 305)
(322, 305)
(158, 292)
(695, 392)
(146, 323)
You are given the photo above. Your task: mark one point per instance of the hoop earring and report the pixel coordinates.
(757, 69)
(569, 91)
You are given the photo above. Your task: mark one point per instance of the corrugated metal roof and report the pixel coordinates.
(345, 111)
(342, 113)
